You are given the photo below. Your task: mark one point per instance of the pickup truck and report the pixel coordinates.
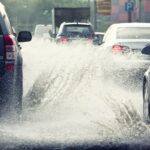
(11, 70)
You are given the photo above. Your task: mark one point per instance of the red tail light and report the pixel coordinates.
(120, 49)
(63, 40)
(10, 49)
(90, 39)
(10, 67)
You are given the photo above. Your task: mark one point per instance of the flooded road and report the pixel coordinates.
(68, 99)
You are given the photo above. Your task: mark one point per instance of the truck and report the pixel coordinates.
(60, 15)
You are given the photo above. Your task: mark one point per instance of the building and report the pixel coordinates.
(117, 13)
(140, 13)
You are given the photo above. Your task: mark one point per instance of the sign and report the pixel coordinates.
(129, 6)
(103, 7)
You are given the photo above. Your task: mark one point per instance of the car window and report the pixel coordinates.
(133, 33)
(79, 29)
(75, 30)
(40, 30)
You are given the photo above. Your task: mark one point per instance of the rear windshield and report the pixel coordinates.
(39, 31)
(78, 30)
(133, 33)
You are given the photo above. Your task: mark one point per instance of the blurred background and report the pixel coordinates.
(25, 14)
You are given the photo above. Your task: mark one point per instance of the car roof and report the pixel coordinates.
(131, 25)
(100, 33)
(75, 23)
(2, 8)
(43, 25)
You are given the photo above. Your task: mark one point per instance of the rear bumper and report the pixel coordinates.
(7, 79)
(6, 67)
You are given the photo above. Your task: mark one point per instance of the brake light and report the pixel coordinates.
(120, 49)
(63, 40)
(10, 51)
(10, 67)
(90, 39)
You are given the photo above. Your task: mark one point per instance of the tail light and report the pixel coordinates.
(90, 39)
(120, 49)
(63, 40)
(10, 67)
(10, 50)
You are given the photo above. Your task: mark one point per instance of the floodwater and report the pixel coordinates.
(69, 99)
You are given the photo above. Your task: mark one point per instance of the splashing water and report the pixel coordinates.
(68, 98)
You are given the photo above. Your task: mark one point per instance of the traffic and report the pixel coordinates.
(71, 78)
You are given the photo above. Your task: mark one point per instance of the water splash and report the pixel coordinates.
(68, 98)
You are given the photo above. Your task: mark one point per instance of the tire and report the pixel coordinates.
(146, 103)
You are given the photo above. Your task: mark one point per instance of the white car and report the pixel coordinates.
(127, 37)
(123, 43)
(42, 31)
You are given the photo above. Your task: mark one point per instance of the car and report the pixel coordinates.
(42, 31)
(98, 38)
(75, 31)
(146, 88)
(11, 69)
(123, 42)
(127, 37)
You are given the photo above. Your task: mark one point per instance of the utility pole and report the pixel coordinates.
(93, 13)
(129, 7)
(129, 11)
(140, 10)
(26, 4)
(88, 1)
(129, 16)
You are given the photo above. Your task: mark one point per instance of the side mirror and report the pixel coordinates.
(146, 50)
(53, 35)
(24, 36)
(98, 39)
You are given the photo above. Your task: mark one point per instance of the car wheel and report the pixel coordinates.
(146, 103)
